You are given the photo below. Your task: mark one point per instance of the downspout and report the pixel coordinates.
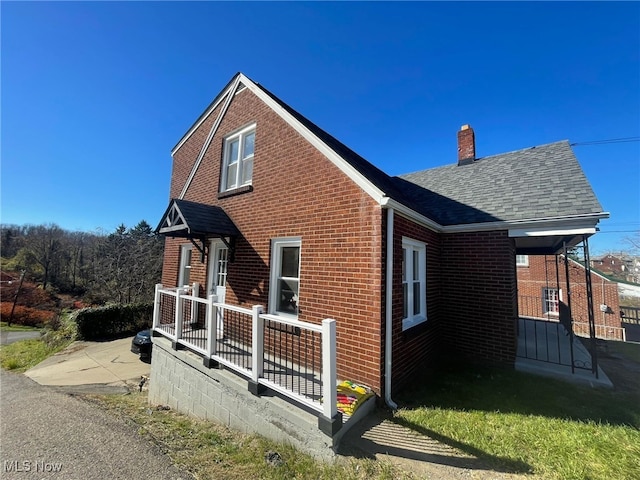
(388, 341)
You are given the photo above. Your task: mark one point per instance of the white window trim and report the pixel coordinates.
(185, 249)
(414, 245)
(276, 262)
(544, 302)
(241, 134)
(522, 264)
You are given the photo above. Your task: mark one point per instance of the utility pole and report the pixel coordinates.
(15, 299)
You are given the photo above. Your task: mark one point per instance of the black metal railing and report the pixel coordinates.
(293, 359)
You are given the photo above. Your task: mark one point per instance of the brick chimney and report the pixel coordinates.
(466, 145)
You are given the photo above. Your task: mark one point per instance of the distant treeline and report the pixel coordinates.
(122, 266)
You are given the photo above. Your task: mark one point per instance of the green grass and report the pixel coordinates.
(628, 349)
(211, 451)
(17, 328)
(22, 355)
(523, 423)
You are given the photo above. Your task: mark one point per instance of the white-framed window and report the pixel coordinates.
(551, 298)
(285, 276)
(522, 260)
(237, 168)
(184, 275)
(414, 282)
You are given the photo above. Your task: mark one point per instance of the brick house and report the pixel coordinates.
(268, 209)
(542, 282)
(622, 266)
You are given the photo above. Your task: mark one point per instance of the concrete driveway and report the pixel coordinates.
(109, 364)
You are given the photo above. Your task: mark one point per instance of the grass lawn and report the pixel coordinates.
(524, 423)
(17, 328)
(24, 354)
(628, 349)
(212, 451)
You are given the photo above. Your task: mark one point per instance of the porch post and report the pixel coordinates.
(330, 421)
(179, 316)
(212, 325)
(195, 291)
(570, 314)
(156, 307)
(329, 369)
(590, 314)
(257, 350)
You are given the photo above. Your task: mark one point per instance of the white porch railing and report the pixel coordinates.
(296, 359)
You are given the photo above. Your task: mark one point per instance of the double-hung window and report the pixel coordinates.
(185, 265)
(238, 159)
(414, 283)
(522, 260)
(551, 301)
(285, 276)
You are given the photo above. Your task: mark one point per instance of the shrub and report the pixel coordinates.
(27, 316)
(112, 321)
(62, 330)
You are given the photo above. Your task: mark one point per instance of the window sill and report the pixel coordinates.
(235, 191)
(409, 323)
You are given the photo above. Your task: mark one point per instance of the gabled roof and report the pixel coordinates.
(369, 171)
(186, 219)
(538, 182)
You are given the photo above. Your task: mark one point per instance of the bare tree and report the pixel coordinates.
(43, 242)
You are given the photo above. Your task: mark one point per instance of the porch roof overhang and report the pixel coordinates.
(551, 244)
(195, 221)
(548, 241)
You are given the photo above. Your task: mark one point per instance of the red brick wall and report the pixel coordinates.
(415, 349)
(541, 273)
(296, 192)
(478, 320)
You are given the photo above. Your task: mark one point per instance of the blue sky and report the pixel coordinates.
(95, 95)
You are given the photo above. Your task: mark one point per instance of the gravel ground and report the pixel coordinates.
(46, 434)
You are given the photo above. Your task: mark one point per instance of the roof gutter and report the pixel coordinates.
(388, 331)
(390, 203)
(588, 220)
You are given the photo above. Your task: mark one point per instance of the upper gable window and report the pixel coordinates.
(237, 170)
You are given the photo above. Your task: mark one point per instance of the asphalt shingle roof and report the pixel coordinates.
(200, 220)
(538, 182)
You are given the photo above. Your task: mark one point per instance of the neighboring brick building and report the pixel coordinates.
(623, 267)
(542, 287)
(287, 217)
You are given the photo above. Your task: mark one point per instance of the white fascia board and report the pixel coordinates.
(336, 159)
(203, 117)
(410, 214)
(534, 232)
(551, 223)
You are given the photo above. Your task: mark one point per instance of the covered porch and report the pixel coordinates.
(546, 348)
(274, 355)
(547, 344)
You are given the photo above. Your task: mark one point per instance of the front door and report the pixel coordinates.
(217, 281)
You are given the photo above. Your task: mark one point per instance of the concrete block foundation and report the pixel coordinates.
(180, 381)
